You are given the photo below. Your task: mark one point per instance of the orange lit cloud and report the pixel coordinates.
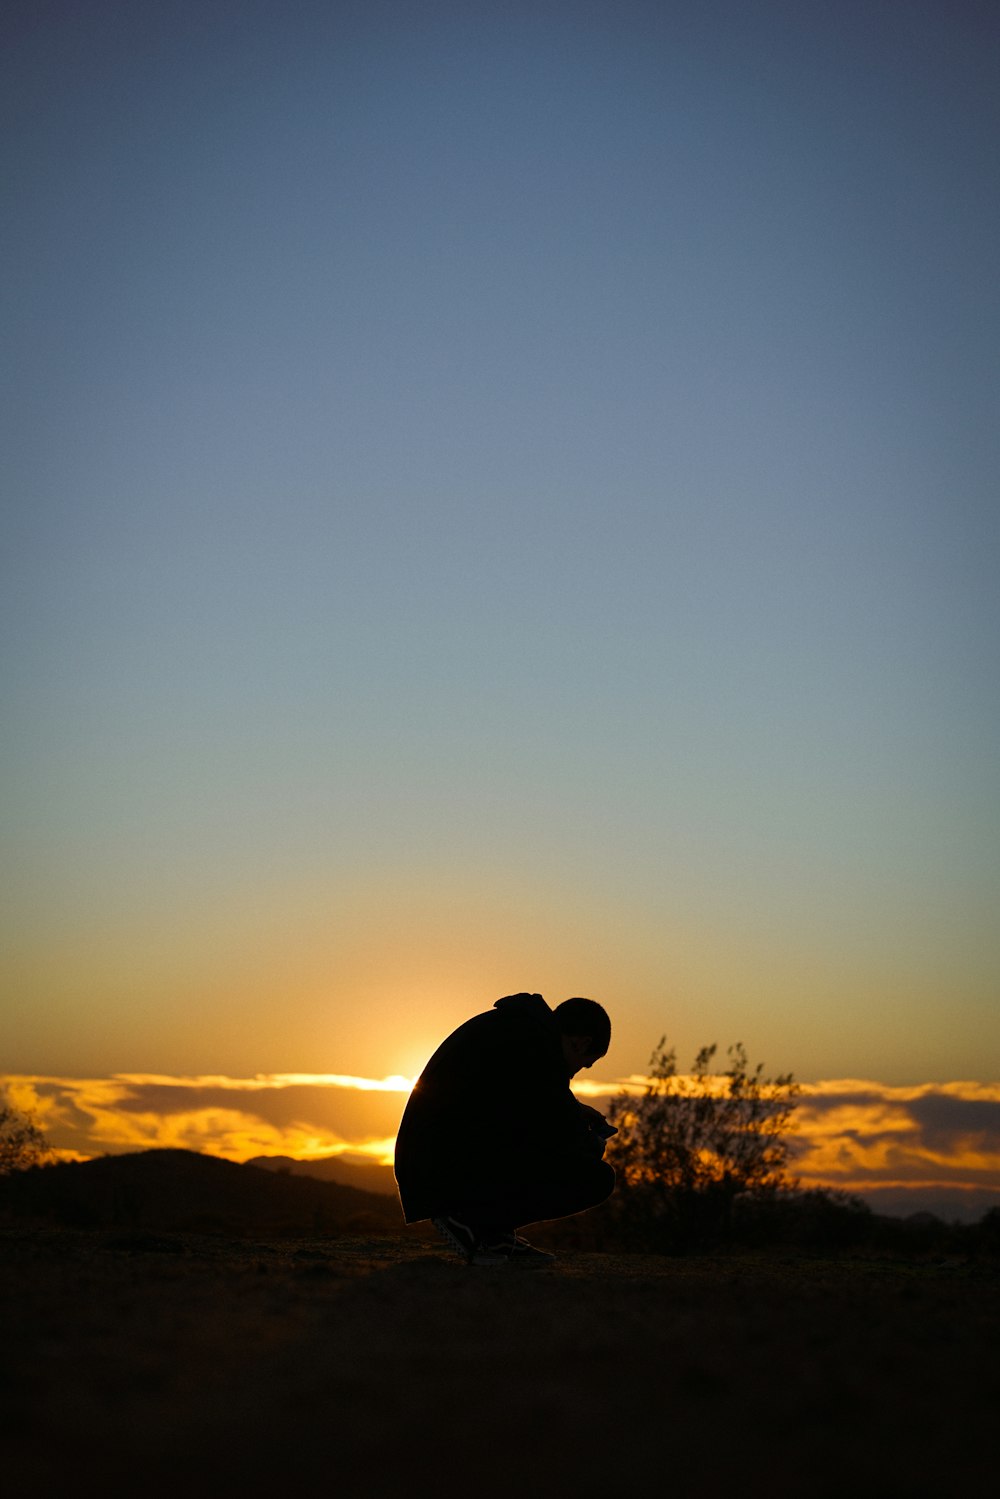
(306, 1115)
(893, 1145)
(394, 1084)
(931, 1145)
(858, 1134)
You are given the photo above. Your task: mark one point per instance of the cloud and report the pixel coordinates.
(883, 1142)
(264, 1080)
(590, 1087)
(304, 1115)
(862, 1134)
(854, 1134)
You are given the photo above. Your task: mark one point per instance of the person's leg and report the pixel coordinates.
(493, 1209)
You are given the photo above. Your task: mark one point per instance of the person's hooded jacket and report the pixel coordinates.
(492, 1106)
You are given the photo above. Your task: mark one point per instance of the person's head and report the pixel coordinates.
(584, 1030)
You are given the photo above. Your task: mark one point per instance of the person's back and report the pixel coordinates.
(492, 1137)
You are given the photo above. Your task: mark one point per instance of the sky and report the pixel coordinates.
(500, 497)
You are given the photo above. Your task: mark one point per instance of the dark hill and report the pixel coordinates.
(363, 1174)
(181, 1190)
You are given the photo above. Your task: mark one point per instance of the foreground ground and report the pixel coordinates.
(194, 1365)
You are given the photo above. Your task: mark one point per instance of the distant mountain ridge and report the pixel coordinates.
(333, 1168)
(184, 1191)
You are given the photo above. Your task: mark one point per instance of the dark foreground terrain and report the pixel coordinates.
(188, 1365)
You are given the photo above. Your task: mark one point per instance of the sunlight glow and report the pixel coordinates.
(392, 1084)
(849, 1133)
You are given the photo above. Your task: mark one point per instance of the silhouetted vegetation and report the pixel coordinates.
(694, 1148)
(150, 1194)
(815, 1221)
(22, 1143)
(702, 1163)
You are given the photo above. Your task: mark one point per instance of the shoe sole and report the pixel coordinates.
(444, 1229)
(488, 1258)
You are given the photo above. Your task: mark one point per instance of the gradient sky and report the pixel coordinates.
(500, 497)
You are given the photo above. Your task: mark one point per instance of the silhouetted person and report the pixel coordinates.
(493, 1138)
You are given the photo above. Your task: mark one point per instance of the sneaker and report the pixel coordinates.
(465, 1240)
(520, 1252)
(491, 1253)
(508, 1249)
(496, 1249)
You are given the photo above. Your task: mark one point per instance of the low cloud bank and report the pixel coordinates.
(933, 1146)
(306, 1115)
(925, 1147)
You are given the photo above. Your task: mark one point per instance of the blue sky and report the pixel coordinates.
(500, 497)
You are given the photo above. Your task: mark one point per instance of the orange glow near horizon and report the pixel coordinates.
(392, 1084)
(848, 1134)
(237, 1134)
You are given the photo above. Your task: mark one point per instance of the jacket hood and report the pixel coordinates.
(524, 1007)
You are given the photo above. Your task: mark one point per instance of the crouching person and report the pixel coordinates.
(492, 1137)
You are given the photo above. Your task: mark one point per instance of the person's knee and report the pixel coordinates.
(598, 1183)
(604, 1181)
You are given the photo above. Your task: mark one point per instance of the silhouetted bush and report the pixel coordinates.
(692, 1148)
(989, 1231)
(22, 1143)
(816, 1218)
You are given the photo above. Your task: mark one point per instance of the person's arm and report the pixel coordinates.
(598, 1128)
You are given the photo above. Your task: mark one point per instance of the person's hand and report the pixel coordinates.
(522, 995)
(596, 1121)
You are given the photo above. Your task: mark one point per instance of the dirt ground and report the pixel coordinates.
(191, 1365)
